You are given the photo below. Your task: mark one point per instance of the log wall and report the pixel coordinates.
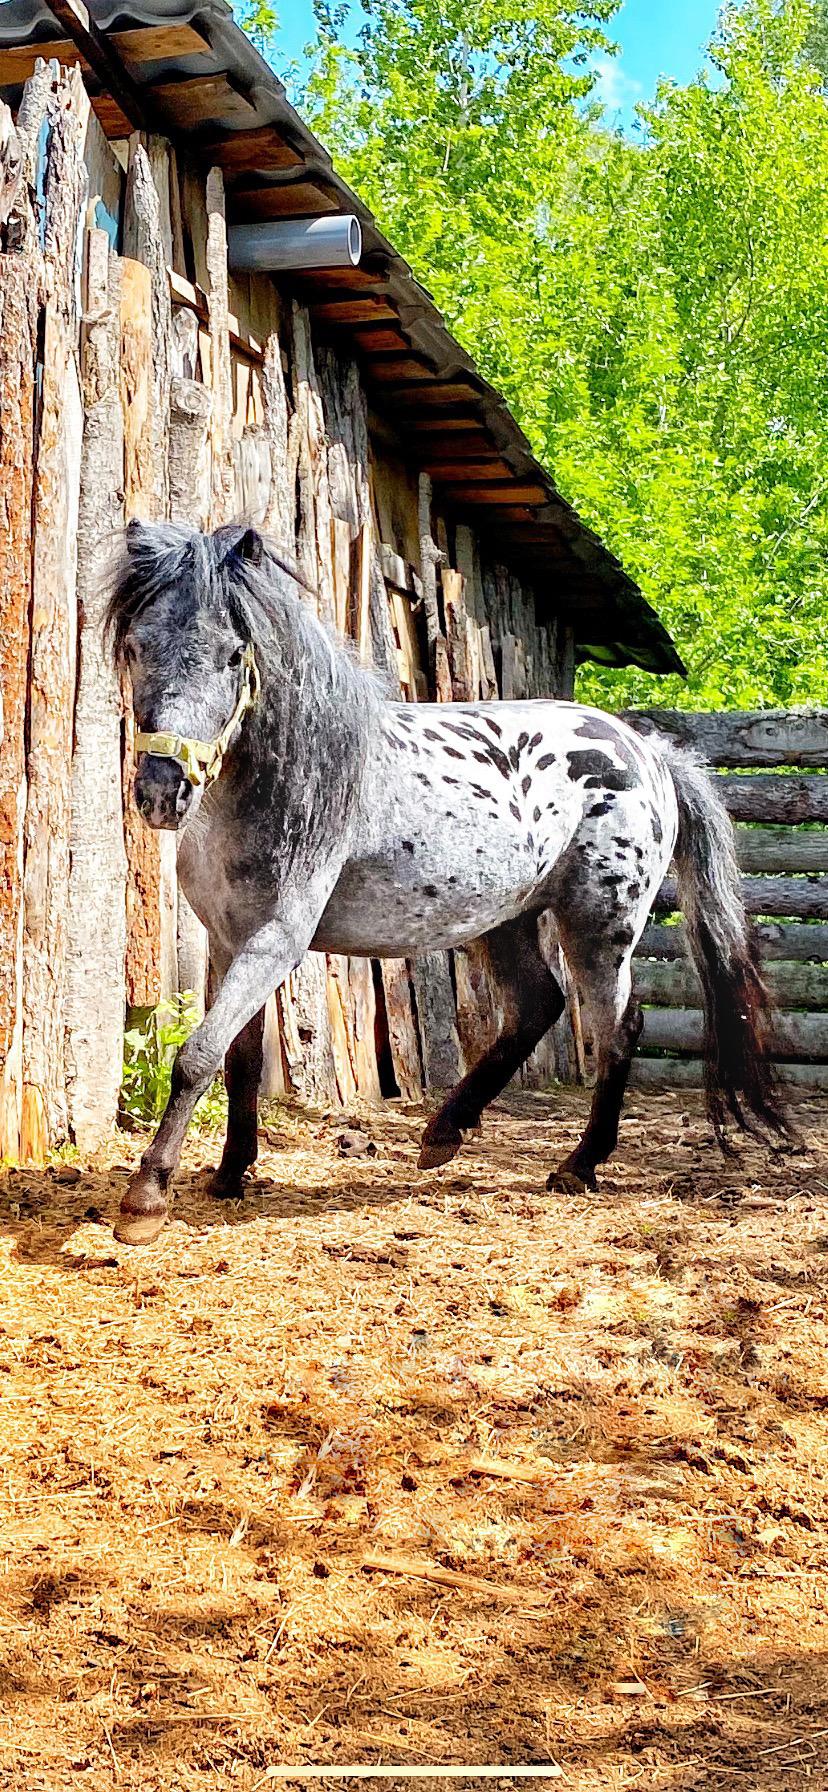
(138, 377)
(780, 819)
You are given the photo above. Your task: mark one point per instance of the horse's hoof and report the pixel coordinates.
(227, 1188)
(565, 1182)
(143, 1211)
(440, 1144)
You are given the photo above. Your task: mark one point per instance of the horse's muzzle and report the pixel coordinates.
(162, 793)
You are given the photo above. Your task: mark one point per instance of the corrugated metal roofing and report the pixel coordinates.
(211, 86)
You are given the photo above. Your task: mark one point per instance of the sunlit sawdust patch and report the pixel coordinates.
(383, 1466)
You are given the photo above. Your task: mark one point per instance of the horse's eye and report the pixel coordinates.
(235, 657)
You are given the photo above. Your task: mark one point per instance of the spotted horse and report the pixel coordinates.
(314, 812)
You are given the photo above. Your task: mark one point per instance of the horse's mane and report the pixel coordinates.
(237, 570)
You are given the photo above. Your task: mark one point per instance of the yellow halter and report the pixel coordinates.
(201, 760)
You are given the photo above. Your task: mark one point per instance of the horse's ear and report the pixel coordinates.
(135, 533)
(250, 547)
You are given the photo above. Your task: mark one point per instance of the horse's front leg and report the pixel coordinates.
(260, 967)
(242, 1076)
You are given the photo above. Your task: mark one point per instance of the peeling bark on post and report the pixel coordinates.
(190, 411)
(96, 920)
(402, 1032)
(143, 956)
(53, 636)
(278, 517)
(437, 1016)
(19, 303)
(314, 547)
(221, 372)
(146, 384)
(144, 242)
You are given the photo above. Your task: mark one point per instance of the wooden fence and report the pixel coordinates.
(780, 814)
(128, 389)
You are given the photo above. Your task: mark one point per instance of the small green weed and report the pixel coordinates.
(150, 1045)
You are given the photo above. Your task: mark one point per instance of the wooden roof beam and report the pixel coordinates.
(139, 45)
(251, 152)
(295, 199)
(96, 50)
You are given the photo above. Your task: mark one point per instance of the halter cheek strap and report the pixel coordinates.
(201, 760)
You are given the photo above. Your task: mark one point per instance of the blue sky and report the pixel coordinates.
(657, 37)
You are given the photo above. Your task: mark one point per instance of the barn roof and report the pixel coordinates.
(188, 70)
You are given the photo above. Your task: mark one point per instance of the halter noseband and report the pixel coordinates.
(201, 760)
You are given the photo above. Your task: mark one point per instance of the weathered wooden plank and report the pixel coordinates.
(511, 492)
(314, 538)
(436, 1014)
(298, 199)
(368, 310)
(798, 941)
(189, 452)
(364, 1008)
(148, 240)
(143, 956)
(19, 309)
(306, 1032)
(402, 1032)
(223, 484)
(744, 738)
(764, 796)
(673, 983)
(11, 164)
(781, 849)
(152, 889)
(251, 152)
(278, 517)
(797, 1036)
(190, 499)
(804, 897)
(342, 1029)
(96, 917)
(688, 1073)
(204, 99)
(52, 660)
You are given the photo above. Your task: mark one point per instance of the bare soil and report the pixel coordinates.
(380, 1467)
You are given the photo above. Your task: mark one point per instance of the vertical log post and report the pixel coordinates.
(53, 634)
(20, 293)
(96, 921)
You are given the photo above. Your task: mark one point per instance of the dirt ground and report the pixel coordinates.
(388, 1468)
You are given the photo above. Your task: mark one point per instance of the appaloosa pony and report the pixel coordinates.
(313, 812)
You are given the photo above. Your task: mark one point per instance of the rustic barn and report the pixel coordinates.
(166, 349)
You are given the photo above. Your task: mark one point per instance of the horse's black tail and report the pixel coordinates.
(739, 1074)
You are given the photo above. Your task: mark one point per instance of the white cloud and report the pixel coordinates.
(614, 89)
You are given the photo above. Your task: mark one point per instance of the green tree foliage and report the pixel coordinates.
(656, 311)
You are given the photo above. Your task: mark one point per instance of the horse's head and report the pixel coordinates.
(181, 633)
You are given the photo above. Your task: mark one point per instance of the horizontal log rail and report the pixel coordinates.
(797, 737)
(673, 983)
(797, 941)
(688, 1073)
(796, 1036)
(785, 850)
(804, 897)
(764, 796)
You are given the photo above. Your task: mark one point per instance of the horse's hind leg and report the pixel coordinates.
(242, 1076)
(605, 985)
(532, 1002)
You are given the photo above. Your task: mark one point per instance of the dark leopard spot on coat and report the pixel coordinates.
(592, 764)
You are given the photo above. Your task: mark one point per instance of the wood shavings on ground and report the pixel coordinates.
(406, 1469)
